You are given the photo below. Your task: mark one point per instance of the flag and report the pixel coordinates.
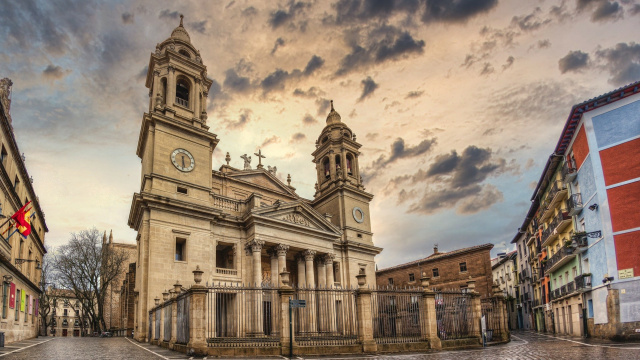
(12, 298)
(22, 218)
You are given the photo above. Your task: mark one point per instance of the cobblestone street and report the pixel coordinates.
(524, 345)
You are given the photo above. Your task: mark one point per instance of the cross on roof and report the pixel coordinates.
(260, 157)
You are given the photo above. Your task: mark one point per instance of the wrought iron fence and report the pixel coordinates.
(396, 315)
(454, 315)
(329, 317)
(167, 322)
(182, 319)
(150, 325)
(242, 316)
(156, 336)
(491, 308)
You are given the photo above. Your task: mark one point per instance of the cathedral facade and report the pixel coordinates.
(240, 226)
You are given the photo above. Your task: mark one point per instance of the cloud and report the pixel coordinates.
(279, 43)
(127, 18)
(400, 151)
(368, 87)
(277, 79)
(236, 83)
(385, 43)
(280, 17)
(487, 69)
(529, 22)
(272, 140)
(574, 61)
(543, 44)
(313, 92)
(168, 14)
(622, 61)
(297, 137)
(371, 136)
(455, 11)
(243, 119)
(602, 10)
(323, 106)
(414, 94)
(481, 201)
(314, 64)
(54, 72)
(308, 119)
(509, 63)
(198, 26)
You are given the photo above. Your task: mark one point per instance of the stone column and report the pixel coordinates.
(162, 320)
(155, 92)
(331, 295)
(322, 272)
(153, 325)
(428, 320)
(203, 112)
(171, 87)
(328, 261)
(281, 251)
(332, 165)
(301, 270)
(174, 322)
(196, 99)
(343, 156)
(286, 293)
(273, 255)
(355, 169)
(255, 248)
(365, 318)
(309, 255)
(476, 309)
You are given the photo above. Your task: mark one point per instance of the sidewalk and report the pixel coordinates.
(23, 344)
(586, 341)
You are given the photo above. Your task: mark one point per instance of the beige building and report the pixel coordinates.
(67, 318)
(112, 306)
(20, 257)
(239, 225)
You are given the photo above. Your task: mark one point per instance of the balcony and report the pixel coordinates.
(579, 240)
(530, 238)
(574, 203)
(557, 192)
(563, 256)
(182, 102)
(223, 271)
(583, 282)
(561, 220)
(569, 172)
(547, 236)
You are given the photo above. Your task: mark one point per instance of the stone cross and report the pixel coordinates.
(260, 157)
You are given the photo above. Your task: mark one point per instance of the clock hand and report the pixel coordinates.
(182, 160)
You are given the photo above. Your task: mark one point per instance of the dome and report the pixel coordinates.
(180, 32)
(333, 117)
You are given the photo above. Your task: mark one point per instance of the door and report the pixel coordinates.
(564, 320)
(570, 318)
(64, 332)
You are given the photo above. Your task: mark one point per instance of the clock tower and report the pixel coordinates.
(172, 211)
(339, 190)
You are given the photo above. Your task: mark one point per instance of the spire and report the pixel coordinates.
(333, 117)
(104, 237)
(181, 17)
(180, 32)
(111, 237)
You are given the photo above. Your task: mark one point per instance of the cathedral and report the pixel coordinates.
(240, 226)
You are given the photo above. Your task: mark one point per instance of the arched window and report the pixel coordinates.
(325, 166)
(163, 90)
(349, 164)
(182, 92)
(325, 139)
(338, 165)
(184, 53)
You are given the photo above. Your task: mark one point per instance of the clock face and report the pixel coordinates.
(182, 160)
(358, 215)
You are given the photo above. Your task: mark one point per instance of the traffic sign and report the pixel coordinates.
(297, 303)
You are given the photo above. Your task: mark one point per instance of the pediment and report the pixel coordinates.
(262, 179)
(297, 213)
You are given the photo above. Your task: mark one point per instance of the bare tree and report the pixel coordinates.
(47, 296)
(87, 266)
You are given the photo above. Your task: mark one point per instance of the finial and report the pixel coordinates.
(227, 158)
(181, 16)
(332, 106)
(289, 179)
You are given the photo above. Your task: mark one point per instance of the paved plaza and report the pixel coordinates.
(524, 345)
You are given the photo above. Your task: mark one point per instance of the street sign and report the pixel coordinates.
(297, 303)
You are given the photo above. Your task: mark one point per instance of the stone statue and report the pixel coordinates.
(247, 161)
(5, 92)
(272, 170)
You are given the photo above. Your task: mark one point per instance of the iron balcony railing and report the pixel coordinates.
(580, 240)
(561, 216)
(583, 282)
(182, 102)
(555, 189)
(561, 254)
(574, 204)
(546, 233)
(571, 287)
(554, 294)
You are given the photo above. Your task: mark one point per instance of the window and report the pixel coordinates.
(5, 299)
(390, 281)
(463, 266)
(182, 92)
(182, 190)
(412, 277)
(590, 308)
(18, 299)
(3, 156)
(435, 273)
(180, 249)
(184, 53)
(560, 280)
(325, 166)
(349, 164)
(65, 312)
(16, 182)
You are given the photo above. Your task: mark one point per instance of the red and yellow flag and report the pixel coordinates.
(22, 218)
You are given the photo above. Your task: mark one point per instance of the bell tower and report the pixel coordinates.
(339, 189)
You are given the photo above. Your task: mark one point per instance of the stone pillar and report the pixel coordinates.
(343, 156)
(155, 90)
(197, 316)
(322, 272)
(174, 323)
(328, 261)
(476, 310)
(171, 87)
(153, 325)
(196, 100)
(273, 255)
(429, 321)
(301, 270)
(365, 318)
(309, 255)
(162, 320)
(281, 252)
(203, 113)
(332, 165)
(255, 248)
(286, 293)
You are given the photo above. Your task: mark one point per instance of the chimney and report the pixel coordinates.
(435, 249)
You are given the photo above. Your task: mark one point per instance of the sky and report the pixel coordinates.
(457, 104)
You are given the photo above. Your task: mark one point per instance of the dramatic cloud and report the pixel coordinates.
(487, 69)
(312, 93)
(386, 43)
(314, 64)
(530, 22)
(271, 140)
(168, 14)
(53, 72)
(573, 61)
(297, 137)
(323, 106)
(543, 44)
(601, 10)
(127, 18)
(243, 120)
(400, 151)
(455, 11)
(368, 87)
(277, 79)
(236, 83)
(280, 17)
(622, 61)
(279, 43)
(308, 120)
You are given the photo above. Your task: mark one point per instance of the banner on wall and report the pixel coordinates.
(30, 304)
(12, 296)
(37, 306)
(23, 300)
